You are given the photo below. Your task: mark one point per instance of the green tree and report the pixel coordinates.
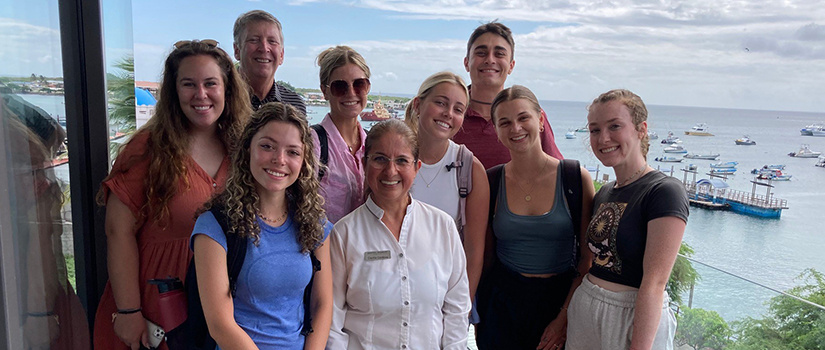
(683, 275)
(702, 329)
(286, 85)
(121, 87)
(790, 323)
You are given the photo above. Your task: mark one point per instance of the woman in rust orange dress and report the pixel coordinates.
(169, 168)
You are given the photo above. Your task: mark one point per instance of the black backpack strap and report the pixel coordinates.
(324, 142)
(494, 178)
(572, 187)
(235, 249)
(316, 266)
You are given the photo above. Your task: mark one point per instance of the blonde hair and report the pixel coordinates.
(411, 114)
(168, 143)
(240, 200)
(336, 57)
(636, 107)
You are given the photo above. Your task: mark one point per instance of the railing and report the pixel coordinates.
(748, 198)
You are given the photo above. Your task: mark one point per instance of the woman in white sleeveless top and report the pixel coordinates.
(436, 114)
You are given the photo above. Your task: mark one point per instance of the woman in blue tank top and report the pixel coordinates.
(524, 297)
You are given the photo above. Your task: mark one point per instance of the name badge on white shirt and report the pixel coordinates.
(379, 255)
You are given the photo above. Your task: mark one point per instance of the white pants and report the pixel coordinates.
(601, 319)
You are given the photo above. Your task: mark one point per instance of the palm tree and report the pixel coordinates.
(121, 87)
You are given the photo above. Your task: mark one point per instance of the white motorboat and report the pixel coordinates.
(571, 134)
(668, 159)
(700, 129)
(671, 139)
(675, 148)
(805, 152)
(725, 165)
(808, 130)
(714, 156)
(745, 141)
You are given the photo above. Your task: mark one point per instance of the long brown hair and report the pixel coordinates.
(240, 199)
(168, 129)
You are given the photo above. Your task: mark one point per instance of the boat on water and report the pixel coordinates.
(702, 156)
(745, 141)
(768, 168)
(670, 139)
(652, 135)
(820, 132)
(668, 159)
(805, 152)
(808, 130)
(571, 134)
(820, 162)
(690, 167)
(675, 148)
(773, 175)
(727, 171)
(724, 165)
(700, 129)
(583, 129)
(377, 114)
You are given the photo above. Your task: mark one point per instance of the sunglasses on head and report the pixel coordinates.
(340, 88)
(209, 42)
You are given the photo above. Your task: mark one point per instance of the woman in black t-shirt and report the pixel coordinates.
(635, 235)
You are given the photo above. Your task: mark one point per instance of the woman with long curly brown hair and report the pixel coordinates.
(168, 169)
(271, 200)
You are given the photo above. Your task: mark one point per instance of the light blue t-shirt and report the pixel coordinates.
(270, 289)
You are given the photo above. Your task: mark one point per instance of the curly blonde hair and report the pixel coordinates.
(240, 199)
(168, 143)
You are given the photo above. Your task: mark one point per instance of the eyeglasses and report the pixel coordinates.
(380, 162)
(209, 42)
(340, 88)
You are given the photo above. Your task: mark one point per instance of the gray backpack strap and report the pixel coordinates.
(464, 175)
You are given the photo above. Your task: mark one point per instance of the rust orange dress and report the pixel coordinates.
(162, 252)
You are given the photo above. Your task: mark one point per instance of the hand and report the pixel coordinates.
(131, 329)
(554, 334)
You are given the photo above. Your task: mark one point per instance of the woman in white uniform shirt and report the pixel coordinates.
(398, 266)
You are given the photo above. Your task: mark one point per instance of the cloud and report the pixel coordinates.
(29, 49)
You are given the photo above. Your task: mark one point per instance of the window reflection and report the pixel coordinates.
(52, 315)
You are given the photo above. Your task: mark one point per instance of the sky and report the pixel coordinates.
(750, 54)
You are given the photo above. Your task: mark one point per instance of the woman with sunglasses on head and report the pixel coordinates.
(345, 83)
(399, 274)
(272, 202)
(636, 232)
(166, 171)
(535, 238)
(436, 114)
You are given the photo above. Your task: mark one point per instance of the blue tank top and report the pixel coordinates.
(534, 244)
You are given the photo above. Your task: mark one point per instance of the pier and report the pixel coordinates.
(715, 194)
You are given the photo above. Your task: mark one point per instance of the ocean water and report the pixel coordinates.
(771, 252)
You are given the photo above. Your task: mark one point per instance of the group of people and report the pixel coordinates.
(465, 212)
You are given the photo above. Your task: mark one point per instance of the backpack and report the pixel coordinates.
(571, 185)
(464, 176)
(193, 334)
(324, 142)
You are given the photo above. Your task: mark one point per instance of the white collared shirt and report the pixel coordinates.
(410, 293)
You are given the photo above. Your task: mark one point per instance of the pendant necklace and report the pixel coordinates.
(527, 196)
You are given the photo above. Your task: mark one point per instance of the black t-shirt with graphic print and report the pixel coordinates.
(618, 231)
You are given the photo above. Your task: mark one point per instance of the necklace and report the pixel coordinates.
(631, 178)
(481, 102)
(272, 221)
(428, 183)
(527, 196)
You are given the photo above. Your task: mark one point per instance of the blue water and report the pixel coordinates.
(768, 251)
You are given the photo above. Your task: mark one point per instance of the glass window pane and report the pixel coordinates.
(39, 291)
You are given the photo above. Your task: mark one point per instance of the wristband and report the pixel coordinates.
(40, 314)
(128, 311)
